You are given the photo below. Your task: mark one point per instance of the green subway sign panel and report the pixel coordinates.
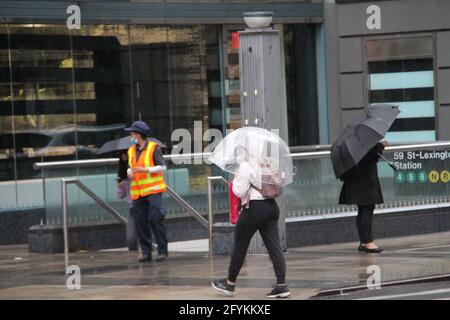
(423, 167)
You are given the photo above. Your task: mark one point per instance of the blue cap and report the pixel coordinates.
(139, 127)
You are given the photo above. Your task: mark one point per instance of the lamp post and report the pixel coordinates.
(263, 89)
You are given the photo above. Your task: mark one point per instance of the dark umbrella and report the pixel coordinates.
(123, 144)
(357, 139)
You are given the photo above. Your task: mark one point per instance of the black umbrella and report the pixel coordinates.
(357, 139)
(123, 144)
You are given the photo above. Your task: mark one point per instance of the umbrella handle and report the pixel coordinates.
(388, 162)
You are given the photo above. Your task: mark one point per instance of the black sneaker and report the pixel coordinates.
(279, 292)
(223, 286)
(145, 259)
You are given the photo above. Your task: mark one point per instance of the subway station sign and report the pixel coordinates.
(422, 167)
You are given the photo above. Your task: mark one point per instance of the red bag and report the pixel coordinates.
(235, 204)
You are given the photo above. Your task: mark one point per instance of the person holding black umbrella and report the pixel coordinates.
(354, 156)
(362, 187)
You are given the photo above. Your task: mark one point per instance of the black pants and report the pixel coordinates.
(149, 213)
(364, 223)
(262, 216)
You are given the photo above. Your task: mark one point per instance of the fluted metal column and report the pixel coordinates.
(263, 95)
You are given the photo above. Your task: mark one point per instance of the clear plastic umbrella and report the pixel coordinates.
(259, 147)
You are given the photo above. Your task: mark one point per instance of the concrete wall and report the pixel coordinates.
(14, 225)
(386, 225)
(345, 33)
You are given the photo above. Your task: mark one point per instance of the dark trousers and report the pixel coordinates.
(262, 216)
(364, 223)
(149, 213)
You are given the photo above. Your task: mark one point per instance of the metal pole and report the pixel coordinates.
(65, 223)
(188, 207)
(210, 208)
(44, 221)
(263, 98)
(210, 216)
(99, 201)
(298, 153)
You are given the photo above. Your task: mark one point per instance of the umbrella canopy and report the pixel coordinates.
(357, 139)
(257, 146)
(123, 144)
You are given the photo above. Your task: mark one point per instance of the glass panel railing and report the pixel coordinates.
(422, 178)
(188, 181)
(51, 186)
(81, 207)
(314, 190)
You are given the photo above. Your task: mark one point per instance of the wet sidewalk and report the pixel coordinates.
(117, 275)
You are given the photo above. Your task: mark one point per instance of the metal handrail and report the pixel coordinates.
(181, 156)
(111, 162)
(224, 182)
(310, 148)
(90, 193)
(389, 148)
(98, 200)
(109, 209)
(107, 161)
(197, 215)
(75, 164)
(323, 152)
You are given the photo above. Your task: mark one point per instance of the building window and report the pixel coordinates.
(300, 76)
(63, 93)
(400, 71)
(231, 70)
(301, 84)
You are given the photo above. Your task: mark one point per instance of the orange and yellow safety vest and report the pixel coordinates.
(144, 184)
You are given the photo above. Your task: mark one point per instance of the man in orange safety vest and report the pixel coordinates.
(146, 168)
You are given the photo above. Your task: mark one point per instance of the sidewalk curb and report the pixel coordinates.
(347, 290)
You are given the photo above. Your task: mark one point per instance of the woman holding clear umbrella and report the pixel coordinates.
(258, 213)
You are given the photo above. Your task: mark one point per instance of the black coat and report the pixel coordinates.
(361, 184)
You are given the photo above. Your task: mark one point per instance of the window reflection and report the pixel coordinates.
(47, 59)
(37, 95)
(232, 84)
(47, 91)
(173, 69)
(301, 84)
(72, 90)
(63, 93)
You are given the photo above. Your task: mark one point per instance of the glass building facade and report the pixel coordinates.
(63, 93)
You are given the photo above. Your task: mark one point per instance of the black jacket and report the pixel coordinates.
(361, 184)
